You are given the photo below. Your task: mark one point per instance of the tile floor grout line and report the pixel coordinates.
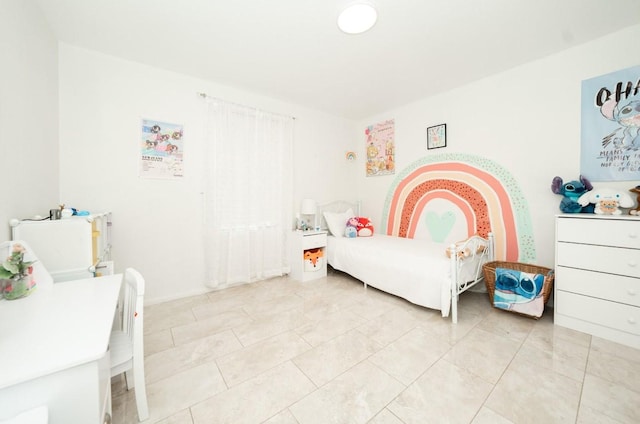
(334, 291)
(584, 378)
(494, 385)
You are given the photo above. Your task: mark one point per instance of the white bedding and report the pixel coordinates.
(416, 270)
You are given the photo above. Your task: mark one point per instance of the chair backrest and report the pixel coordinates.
(133, 308)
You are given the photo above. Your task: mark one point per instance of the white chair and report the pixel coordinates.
(126, 343)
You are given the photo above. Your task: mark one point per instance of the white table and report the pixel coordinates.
(54, 350)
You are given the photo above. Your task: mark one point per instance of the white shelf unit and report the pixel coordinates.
(315, 243)
(597, 283)
(70, 248)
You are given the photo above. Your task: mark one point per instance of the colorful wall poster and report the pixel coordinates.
(380, 147)
(161, 150)
(610, 126)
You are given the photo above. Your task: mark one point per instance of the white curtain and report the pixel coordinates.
(248, 193)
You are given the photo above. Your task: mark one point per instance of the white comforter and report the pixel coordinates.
(416, 270)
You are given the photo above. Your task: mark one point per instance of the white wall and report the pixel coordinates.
(28, 113)
(158, 223)
(526, 119)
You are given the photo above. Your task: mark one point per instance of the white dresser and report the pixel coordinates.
(597, 283)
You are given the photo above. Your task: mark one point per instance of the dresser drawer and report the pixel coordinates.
(313, 241)
(602, 312)
(604, 232)
(599, 258)
(606, 286)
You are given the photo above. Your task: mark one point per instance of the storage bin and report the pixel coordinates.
(489, 270)
(313, 259)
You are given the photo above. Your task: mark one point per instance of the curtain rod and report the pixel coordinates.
(206, 96)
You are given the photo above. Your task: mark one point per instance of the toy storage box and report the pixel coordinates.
(489, 270)
(313, 259)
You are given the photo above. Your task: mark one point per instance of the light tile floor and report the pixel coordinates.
(329, 351)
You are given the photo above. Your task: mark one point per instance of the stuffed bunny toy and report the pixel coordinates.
(607, 201)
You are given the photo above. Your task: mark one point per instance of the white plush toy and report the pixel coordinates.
(607, 201)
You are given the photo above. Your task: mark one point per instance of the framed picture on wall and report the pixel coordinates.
(437, 136)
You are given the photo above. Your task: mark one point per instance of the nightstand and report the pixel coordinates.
(308, 259)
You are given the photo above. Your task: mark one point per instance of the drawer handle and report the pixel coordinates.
(633, 235)
(631, 292)
(631, 321)
(633, 263)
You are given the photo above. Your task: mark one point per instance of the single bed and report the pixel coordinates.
(419, 271)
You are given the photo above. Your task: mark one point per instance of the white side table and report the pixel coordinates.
(308, 258)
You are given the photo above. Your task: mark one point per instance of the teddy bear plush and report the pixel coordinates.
(466, 252)
(571, 192)
(365, 228)
(636, 210)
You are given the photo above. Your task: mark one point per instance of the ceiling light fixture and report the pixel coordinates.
(357, 17)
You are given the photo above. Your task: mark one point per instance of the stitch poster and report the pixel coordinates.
(610, 129)
(161, 150)
(380, 147)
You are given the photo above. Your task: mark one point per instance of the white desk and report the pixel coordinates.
(54, 350)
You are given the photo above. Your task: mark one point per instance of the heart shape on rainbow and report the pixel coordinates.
(440, 226)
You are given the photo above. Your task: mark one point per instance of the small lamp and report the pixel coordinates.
(308, 207)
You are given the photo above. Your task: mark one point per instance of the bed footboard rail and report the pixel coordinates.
(466, 261)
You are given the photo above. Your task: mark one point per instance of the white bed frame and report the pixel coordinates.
(466, 261)
(466, 258)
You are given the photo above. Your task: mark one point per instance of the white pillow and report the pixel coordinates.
(337, 221)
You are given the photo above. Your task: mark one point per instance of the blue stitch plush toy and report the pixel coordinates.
(570, 193)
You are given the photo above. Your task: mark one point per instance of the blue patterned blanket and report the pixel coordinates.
(519, 292)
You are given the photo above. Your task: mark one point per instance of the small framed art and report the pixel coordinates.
(437, 136)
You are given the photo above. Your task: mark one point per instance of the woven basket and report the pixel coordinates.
(489, 270)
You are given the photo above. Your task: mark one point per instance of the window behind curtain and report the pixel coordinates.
(248, 193)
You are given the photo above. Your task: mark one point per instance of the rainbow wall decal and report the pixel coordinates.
(481, 191)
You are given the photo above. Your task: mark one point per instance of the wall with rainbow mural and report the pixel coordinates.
(449, 197)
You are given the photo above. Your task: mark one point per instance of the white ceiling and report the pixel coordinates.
(292, 49)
